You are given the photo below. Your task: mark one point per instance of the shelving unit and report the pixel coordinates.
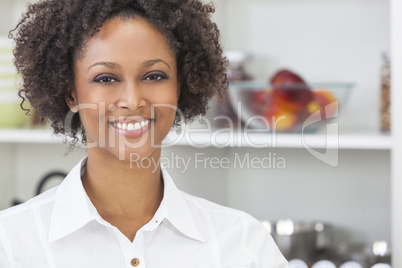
(396, 173)
(201, 139)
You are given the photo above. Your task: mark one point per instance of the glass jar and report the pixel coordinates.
(385, 94)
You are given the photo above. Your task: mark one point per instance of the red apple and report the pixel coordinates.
(280, 119)
(290, 90)
(261, 100)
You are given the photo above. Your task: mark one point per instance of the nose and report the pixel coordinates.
(130, 97)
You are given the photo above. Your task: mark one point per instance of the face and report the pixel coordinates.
(126, 89)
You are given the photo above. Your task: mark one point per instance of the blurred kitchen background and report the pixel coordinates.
(329, 42)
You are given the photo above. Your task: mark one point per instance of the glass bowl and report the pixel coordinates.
(294, 108)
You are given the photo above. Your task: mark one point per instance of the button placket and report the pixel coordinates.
(137, 251)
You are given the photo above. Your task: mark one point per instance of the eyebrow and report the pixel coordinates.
(110, 65)
(150, 63)
(113, 65)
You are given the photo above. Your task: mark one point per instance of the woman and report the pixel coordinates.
(119, 74)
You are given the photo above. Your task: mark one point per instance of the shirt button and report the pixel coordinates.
(135, 262)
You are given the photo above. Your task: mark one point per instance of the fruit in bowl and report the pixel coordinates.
(290, 91)
(287, 103)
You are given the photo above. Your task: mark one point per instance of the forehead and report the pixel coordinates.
(127, 37)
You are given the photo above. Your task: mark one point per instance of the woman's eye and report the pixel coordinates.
(156, 77)
(105, 79)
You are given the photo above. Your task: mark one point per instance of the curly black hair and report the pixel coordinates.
(51, 35)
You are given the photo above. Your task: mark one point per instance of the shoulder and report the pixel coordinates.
(214, 220)
(214, 210)
(220, 217)
(24, 209)
(20, 225)
(235, 231)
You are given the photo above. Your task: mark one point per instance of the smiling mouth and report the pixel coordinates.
(132, 129)
(131, 126)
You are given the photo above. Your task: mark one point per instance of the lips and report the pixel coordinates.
(131, 127)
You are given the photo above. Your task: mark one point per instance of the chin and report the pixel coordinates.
(133, 153)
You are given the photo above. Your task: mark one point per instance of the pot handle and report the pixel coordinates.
(48, 177)
(41, 185)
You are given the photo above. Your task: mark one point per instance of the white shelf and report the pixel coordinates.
(28, 136)
(264, 140)
(354, 141)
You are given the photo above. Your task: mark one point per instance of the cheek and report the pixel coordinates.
(169, 94)
(87, 116)
(92, 114)
(164, 102)
(164, 113)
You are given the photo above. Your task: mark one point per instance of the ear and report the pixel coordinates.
(71, 100)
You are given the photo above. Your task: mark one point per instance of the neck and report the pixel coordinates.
(118, 189)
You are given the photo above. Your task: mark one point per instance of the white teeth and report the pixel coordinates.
(131, 126)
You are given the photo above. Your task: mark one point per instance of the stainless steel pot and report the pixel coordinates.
(368, 254)
(300, 240)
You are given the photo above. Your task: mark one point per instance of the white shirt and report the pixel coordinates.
(61, 228)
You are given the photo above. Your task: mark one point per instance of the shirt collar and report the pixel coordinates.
(73, 209)
(178, 212)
